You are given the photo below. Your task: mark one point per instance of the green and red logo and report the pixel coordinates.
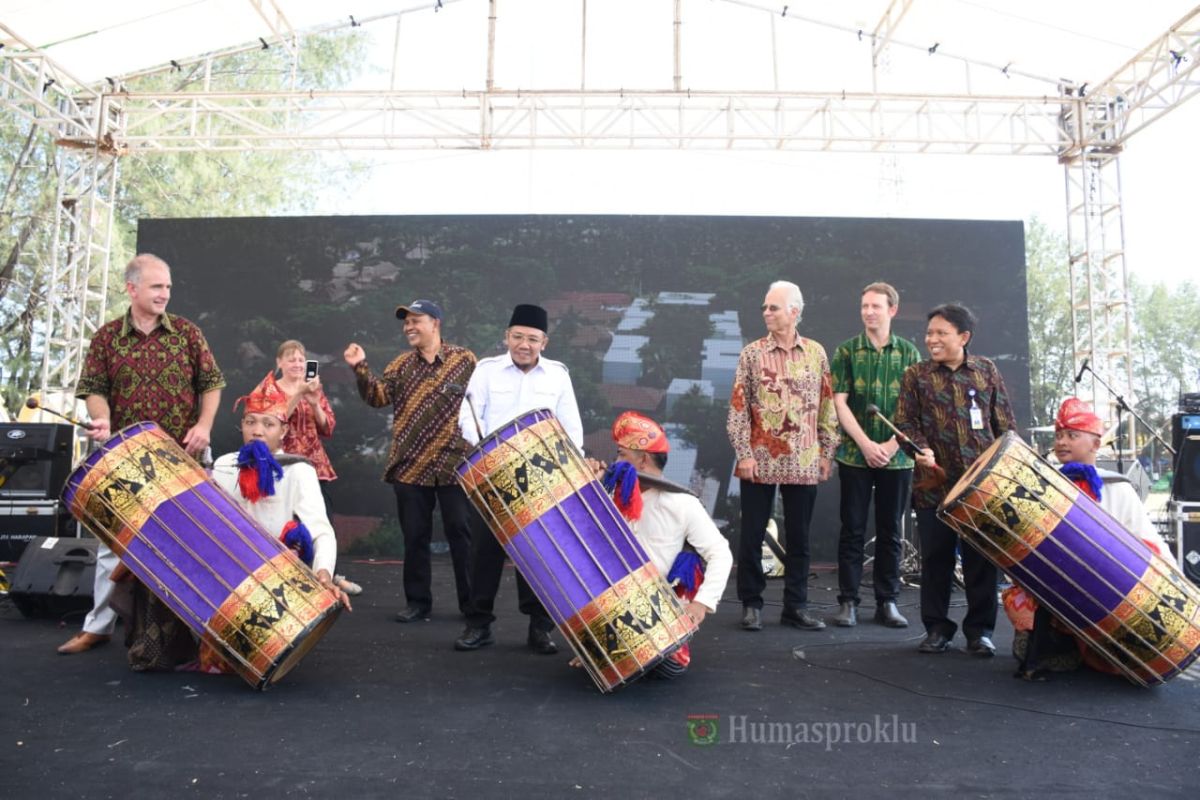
(703, 729)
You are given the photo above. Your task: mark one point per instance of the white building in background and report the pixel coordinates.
(725, 325)
(681, 386)
(681, 462)
(718, 365)
(684, 298)
(622, 364)
(636, 315)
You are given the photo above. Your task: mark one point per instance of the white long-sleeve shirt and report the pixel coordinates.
(298, 493)
(500, 390)
(1119, 498)
(669, 519)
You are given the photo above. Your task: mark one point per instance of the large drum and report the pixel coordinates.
(562, 531)
(231, 582)
(1130, 605)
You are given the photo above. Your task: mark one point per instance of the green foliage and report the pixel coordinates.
(675, 349)
(171, 184)
(1050, 346)
(1166, 347)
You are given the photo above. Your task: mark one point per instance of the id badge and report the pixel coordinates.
(976, 418)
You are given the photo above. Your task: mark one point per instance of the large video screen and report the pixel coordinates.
(648, 313)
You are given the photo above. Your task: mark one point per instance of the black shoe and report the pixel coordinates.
(412, 614)
(751, 619)
(475, 638)
(887, 614)
(934, 642)
(981, 647)
(801, 619)
(541, 643)
(846, 616)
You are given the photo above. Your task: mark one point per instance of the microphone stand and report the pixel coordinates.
(1122, 406)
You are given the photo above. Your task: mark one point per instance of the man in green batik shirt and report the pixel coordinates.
(867, 370)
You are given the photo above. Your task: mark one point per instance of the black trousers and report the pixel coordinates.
(938, 543)
(487, 568)
(415, 506)
(891, 488)
(757, 500)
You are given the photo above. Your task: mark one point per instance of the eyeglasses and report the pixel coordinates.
(771, 308)
(520, 338)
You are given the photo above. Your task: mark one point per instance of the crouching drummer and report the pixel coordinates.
(1040, 643)
(669, 521)
(280, 490)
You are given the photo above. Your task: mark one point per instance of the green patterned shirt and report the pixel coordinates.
(868, 376)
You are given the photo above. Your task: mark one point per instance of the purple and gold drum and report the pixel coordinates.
(1130, 605)
(562, 531)
(233, 584)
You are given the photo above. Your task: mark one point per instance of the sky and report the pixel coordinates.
(1156, 187)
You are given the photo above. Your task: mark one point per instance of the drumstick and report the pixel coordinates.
(34, 404)
(457, 388)
(939, 473)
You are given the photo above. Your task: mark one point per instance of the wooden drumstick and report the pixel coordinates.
(938, 472)
(33, 403)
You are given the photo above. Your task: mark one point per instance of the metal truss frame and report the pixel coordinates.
(1084, 130)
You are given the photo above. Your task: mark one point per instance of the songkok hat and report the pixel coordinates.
(633, 431)
(1076, 415)
(528, 316)
(266, 398)
(426, 307)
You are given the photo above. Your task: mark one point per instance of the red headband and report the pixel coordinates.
(633, 431)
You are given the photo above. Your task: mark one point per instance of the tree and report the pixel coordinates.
(157, 185)
(1166, 347)
(1050, 345)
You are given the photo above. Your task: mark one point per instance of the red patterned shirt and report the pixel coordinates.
(426, 443)
(304, 433)
(781, 413)
(156, 377)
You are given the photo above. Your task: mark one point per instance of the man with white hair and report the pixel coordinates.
(783, 428)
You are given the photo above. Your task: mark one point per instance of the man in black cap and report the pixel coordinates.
(504, 387)
(423, 387)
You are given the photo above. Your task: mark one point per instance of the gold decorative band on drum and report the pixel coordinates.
(232, 583)
(1129, 604)
(568, 540)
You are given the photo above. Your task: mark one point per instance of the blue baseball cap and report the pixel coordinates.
(426, 307)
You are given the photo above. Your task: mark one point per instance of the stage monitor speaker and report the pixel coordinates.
(55, 576)
(22, 521)
(35, 459)
(1185, 436)
(1190, 543)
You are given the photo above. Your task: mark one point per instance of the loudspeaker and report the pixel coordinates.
(1190, 542)
(35, 459)
(22, 521)
(55, 576)
(1185, 437)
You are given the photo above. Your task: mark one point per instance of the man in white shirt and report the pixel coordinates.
(501, 388)
(294, 496)
(673, 527)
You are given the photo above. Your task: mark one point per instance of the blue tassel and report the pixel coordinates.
(620, 479)
(688, 569)
(1084, 472)
(256, 455)
(296, 535)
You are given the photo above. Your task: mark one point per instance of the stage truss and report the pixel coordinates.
(1085, 130)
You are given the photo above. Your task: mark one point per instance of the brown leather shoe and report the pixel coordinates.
(82, 642)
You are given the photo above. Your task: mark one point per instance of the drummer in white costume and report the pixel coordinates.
(1077, 432)
(669, 521)
(279, 489)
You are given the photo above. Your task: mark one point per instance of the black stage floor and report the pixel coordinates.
(381, 709)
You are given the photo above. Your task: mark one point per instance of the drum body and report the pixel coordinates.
(232, 583)
(1130, 605)
(569, 541)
